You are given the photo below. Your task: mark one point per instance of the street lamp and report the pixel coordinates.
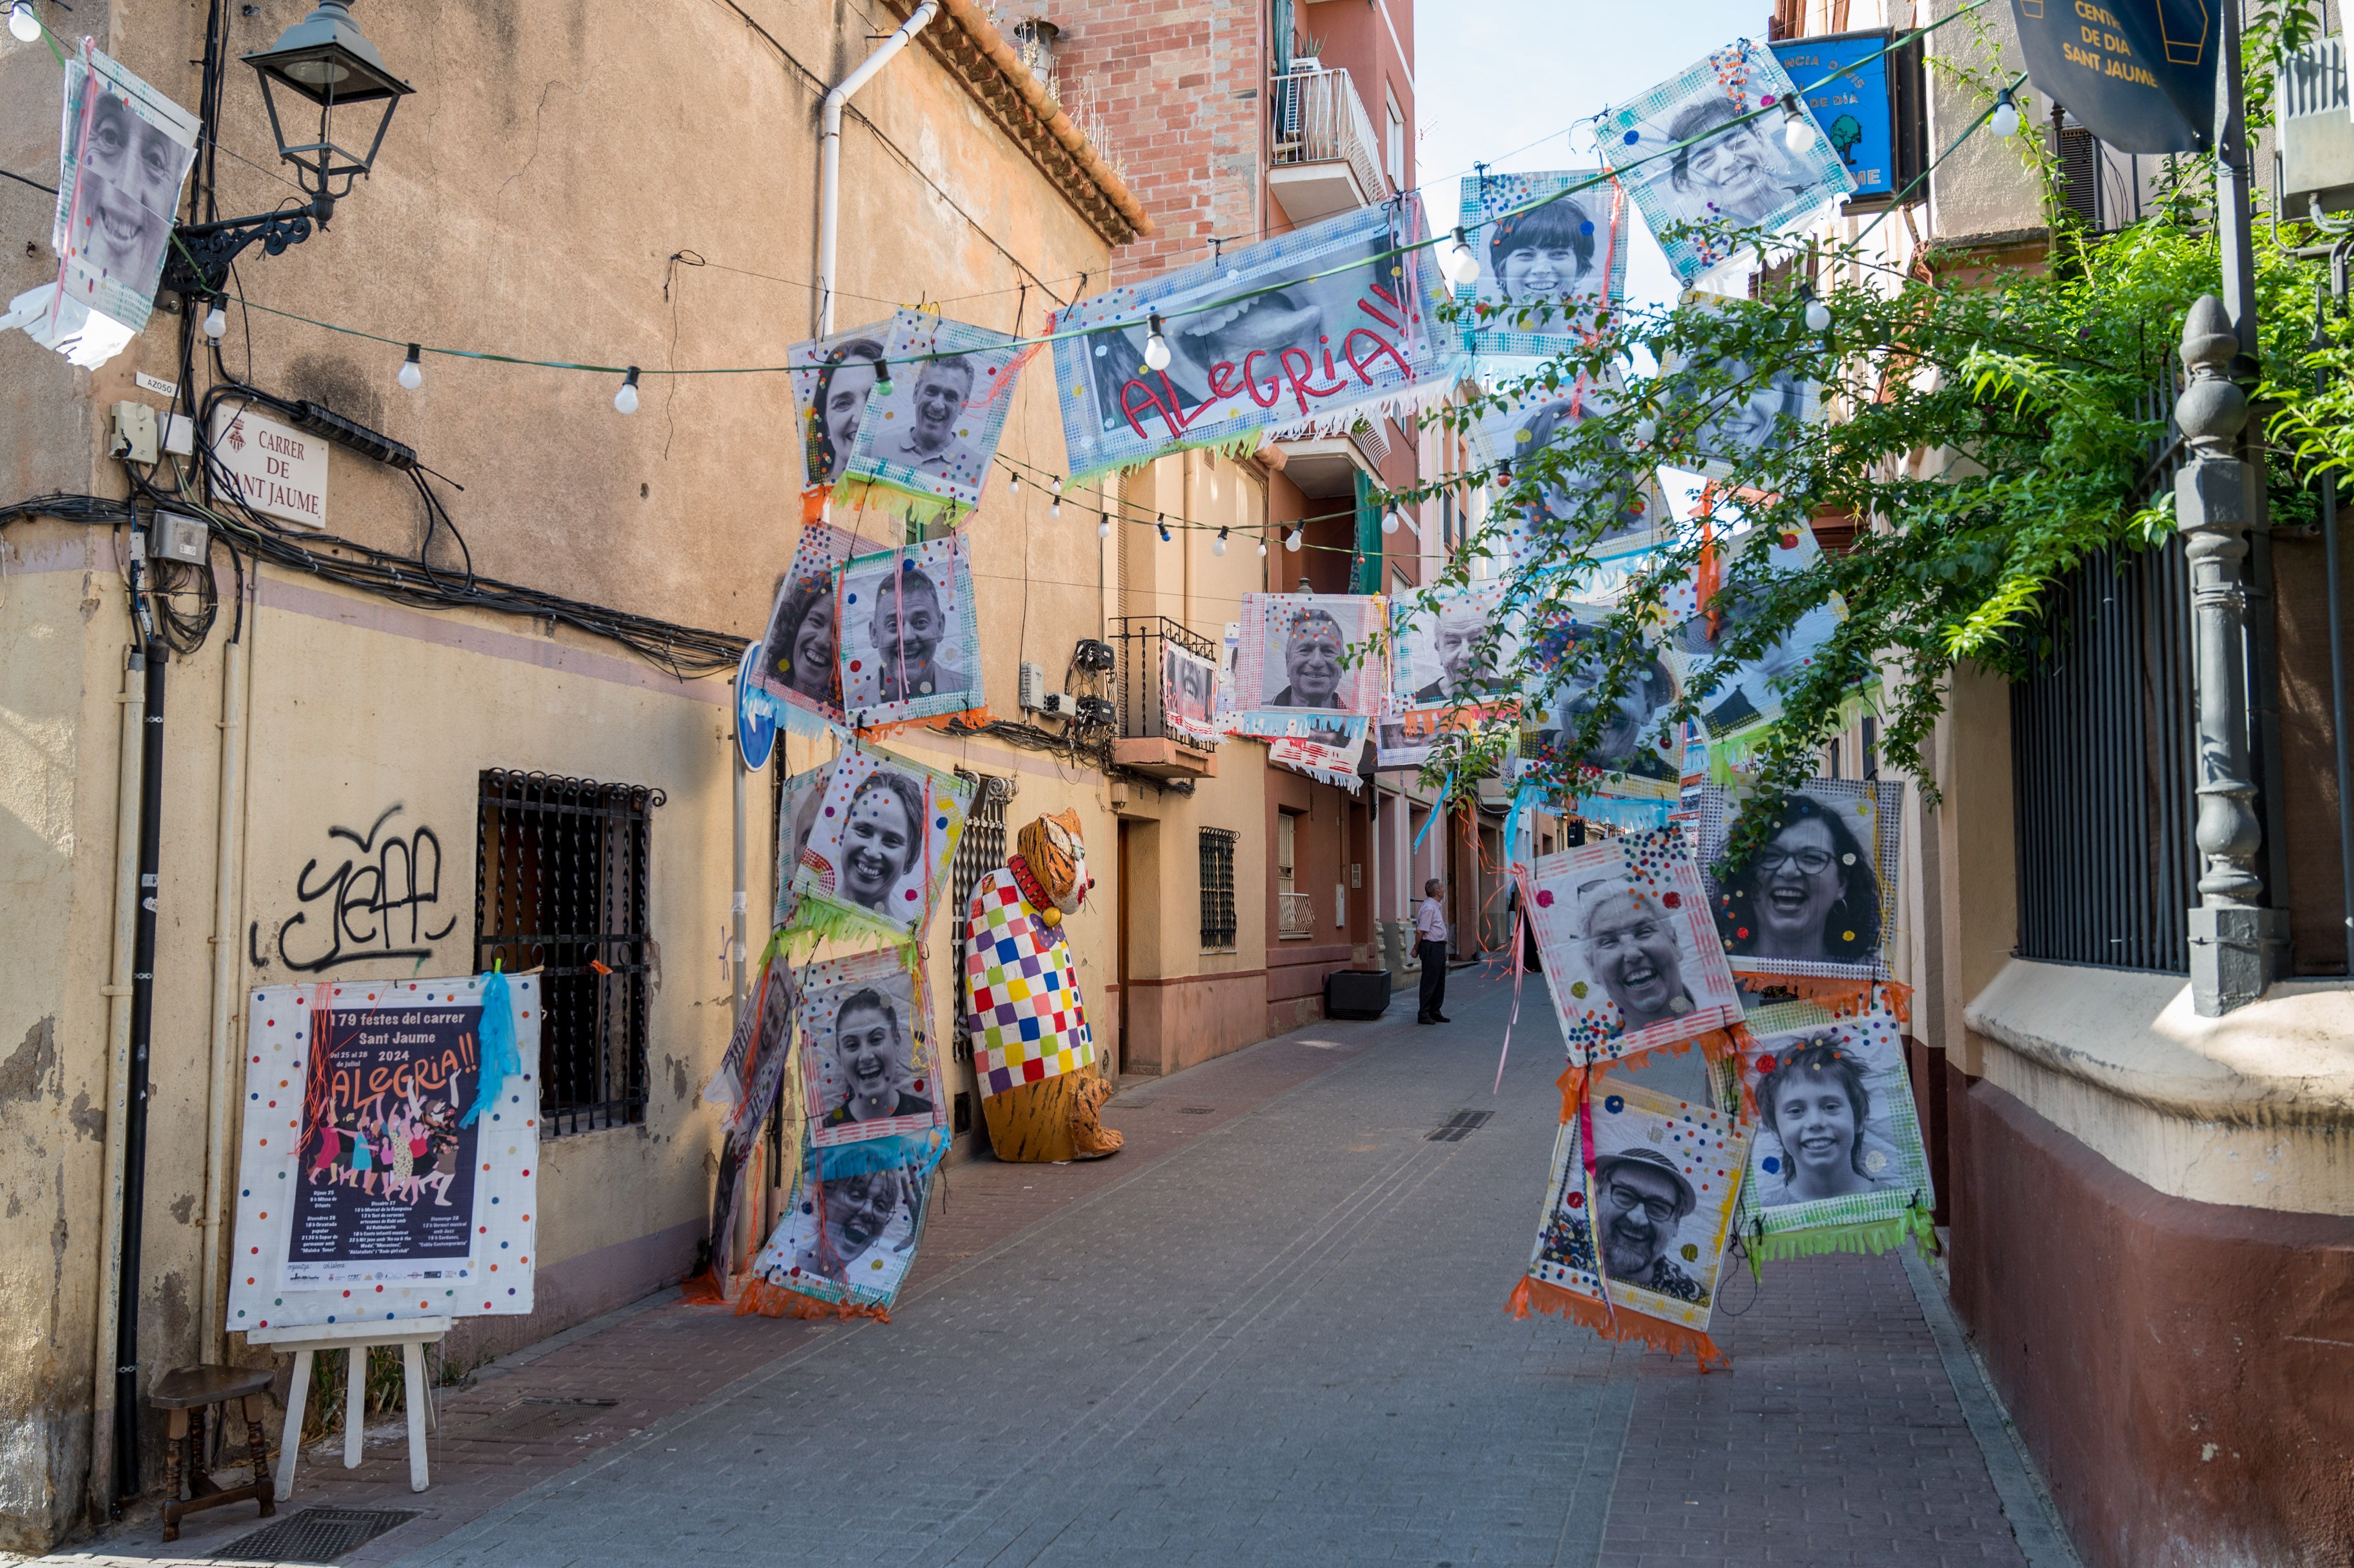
(324, 61)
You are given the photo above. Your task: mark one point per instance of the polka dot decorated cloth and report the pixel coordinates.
(280, 1154)
(1027, 1020)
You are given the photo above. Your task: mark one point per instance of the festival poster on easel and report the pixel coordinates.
(391, 1133)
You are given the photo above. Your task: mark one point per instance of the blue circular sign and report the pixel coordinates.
(755, 715)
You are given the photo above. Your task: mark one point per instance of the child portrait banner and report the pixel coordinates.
(1547, 267)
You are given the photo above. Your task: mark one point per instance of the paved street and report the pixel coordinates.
(1270, 1331)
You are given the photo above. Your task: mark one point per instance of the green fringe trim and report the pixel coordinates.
(927, 516)
(822, 915)
(1233, 448)
(1869, 1238)
(1731, 754)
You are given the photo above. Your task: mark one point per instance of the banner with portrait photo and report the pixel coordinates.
(750, 1080)
(1706, 612)
(1548, 506)
(870, 1067)
(844, 1246)
(1630, 956)
(833, 380)
(930, 427)
(1406, 737)
(1552, 256)
(1655, 1178)
(1451, 645)
(1189, 694)
(1755, 414)
(877, 857)
(801, 649)
(910, 639)
(1838, 1163)
(1307, 654)
(125, 151)
(1326, 750)
(1306, 330)
(1817, 897)
(797, 800)
(1641, 740)
(1684, 160)
(391, 1133)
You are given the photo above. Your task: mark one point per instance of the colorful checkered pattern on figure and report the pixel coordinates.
(1023, 997)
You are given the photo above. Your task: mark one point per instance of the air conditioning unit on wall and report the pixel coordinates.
(2316, 131)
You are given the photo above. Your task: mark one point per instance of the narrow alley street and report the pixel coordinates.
(1270, 1331)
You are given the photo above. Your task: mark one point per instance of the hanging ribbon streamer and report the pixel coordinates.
(1445, 790)
(500, 1059)
(1520, 969)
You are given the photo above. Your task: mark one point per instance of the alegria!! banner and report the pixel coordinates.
(1308, 327)
(2138, 74)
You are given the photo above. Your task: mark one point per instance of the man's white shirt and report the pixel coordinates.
(1430, 921)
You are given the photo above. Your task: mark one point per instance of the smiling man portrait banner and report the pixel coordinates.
(1288, 332)
(1308, 658)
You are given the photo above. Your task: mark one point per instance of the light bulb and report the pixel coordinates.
(1013, 481)
(1163, 526)
(216, 323)
(412, 373)
(1389, 522)
(1218, 545)
(1293, 540)
(23, 23)
(1156, 348)
(2004, 120)
(1262, 550)
(1819, 317)
(625, 401)
(1103, 529)
(1462, 262)
(1055, 508)
(1797, 127)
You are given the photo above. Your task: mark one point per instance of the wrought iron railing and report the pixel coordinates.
(1295, 915)
(1141, 642)
(1319, 119)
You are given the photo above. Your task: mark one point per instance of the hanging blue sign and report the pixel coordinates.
(2140, 77)
(1844, 80)
(756, 714)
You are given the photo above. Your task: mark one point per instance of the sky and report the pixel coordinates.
(1491, 77)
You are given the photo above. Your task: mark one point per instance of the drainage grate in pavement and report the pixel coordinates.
(1197, 1110)
(1458, 1127)
(313, 1535)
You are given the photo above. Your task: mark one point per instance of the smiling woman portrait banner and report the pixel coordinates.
(877, 855)
(1560, 263)
(125, 151)
(1819, 897)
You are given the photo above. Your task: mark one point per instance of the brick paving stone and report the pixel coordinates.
(1269, 1332)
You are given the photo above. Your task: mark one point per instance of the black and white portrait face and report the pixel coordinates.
(1632, 732)
(1834, 1114)
(1310, 662)
(876, 840)
(868, 1062)
(853, 1224)
(1808, 899)
(127, 186)
(1632, 945)
(1641, 1204)
(1746, 417)
(900, 636)
(925, 420)
(1187, 688)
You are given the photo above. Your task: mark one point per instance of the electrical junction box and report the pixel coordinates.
(2316, 117)
(180, 435)
(1033, 687)
(177, 538)
(135, 434)
(1057, 704)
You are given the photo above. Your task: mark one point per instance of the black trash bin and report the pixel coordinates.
(1356, 993)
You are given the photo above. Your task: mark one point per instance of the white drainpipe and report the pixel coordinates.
(829, 176)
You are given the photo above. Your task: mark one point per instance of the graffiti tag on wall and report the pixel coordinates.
(375, 905)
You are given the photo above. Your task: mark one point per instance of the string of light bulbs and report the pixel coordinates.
(1295, 541)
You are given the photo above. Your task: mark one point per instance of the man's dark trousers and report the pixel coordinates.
(1434, 977)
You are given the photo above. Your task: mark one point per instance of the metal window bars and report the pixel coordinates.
(980, 851)
(1142, 641)
(561, 888)
(1218, 920)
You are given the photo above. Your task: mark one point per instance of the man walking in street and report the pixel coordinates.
(1430, 939)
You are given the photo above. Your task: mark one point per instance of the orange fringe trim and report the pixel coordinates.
(772, 1300)
(1840, 998)
(813, 501)
(1719, 1045)
(702, 1290)
(1674, 1338)
(972, 718)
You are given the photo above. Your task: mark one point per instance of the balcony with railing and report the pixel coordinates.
(1295, 915)
(1326, 157)
(1152, 739)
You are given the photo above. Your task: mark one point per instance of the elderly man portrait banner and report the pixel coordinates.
(1630, 956)
(126, 150)
(1812, 906)
(1286, 334)
(1837, 1165)
(1308, 656)
(1457, 648)
(908, 639)
(932, 423)
(1552, 253)
(1697, 170)
(877, 857)
(1652, 1179)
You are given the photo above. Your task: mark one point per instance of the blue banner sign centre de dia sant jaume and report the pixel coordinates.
(1845, 83)
(2138, 74)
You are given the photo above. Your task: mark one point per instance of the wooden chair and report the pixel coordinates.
(187, 1393)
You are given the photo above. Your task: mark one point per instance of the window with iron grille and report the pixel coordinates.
(561, 888)
(980, 851)
(1217, 888)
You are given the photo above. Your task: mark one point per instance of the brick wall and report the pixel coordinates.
(1179, 89)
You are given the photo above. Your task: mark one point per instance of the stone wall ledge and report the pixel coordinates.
(2285, 1060)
